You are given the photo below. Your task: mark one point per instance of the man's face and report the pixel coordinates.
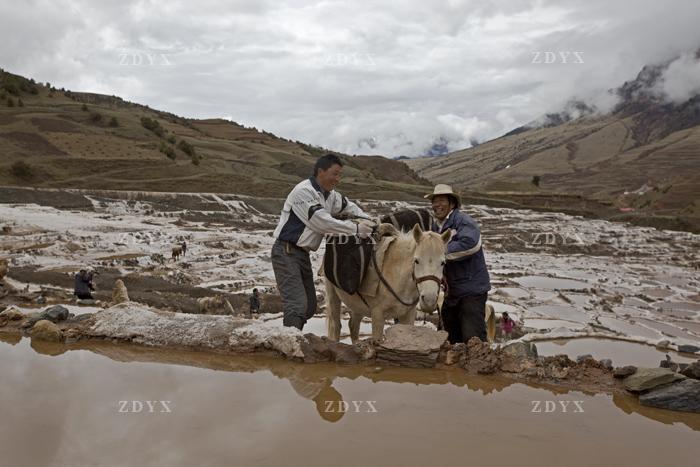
(329, 179)
(441, 206)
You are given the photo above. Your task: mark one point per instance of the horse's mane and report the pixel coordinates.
(402, 236)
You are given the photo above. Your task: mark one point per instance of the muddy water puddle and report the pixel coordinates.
(620, 352)
(103, 404)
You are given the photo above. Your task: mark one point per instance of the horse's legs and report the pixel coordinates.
(355, 321)
(377, 324)
(408, 317)
(332, 312)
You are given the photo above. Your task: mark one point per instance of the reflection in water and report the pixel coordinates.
(227, 409)
(10, 338)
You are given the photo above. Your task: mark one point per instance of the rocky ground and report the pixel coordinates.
(559, 276)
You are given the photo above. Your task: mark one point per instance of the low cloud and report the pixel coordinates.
(391, 78)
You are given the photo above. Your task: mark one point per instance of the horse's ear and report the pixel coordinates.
(417, 233)
(446, 235)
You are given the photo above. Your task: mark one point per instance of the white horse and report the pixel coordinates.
(410, 274)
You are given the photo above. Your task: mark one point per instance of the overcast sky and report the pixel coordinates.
(374, 77)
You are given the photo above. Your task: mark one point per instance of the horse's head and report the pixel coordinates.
(428, 263)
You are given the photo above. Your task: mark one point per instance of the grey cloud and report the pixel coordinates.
(402, 73)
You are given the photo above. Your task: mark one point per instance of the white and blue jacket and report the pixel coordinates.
(465, 270)
(308, 213)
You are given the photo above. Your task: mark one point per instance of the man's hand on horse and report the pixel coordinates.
(365, 228)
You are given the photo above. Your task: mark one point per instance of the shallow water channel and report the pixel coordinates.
(94, 404)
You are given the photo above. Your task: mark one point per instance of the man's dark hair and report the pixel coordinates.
(326, 162)
(255, 290)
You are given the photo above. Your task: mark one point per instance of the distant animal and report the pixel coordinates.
(119, 293)
(176, 252)
(216, 305)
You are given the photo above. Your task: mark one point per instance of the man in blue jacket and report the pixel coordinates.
(467, 278)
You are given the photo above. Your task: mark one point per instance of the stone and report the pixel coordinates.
(692, 370)
(321, 349)
(607, 363)
(345, 353)
(45, 330)
(411, 346)
(481, 358)
(663, 344)
(12, 314)
(683, 396)
(131, 321)
(55, 313)
(452, 357)
(648, 378)
(624, 371)
(315, 349)
(119, 292)
(688, 348)
(521, 350)
(581, 358)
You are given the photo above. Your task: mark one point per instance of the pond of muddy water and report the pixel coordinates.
(101, 404)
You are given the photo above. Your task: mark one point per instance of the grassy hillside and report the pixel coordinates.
(57, 138)
(639, 163)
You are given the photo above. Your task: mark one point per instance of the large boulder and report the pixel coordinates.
(143, 325)
(45, 330)
(649, 378)
(683, 395)
(55, 314)
(412, 346)
(692, 370)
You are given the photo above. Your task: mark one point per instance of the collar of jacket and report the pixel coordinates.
(318, 188)
(446, 222)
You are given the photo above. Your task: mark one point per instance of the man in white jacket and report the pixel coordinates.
(306, 217)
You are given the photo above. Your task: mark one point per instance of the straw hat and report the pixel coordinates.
(442, 189)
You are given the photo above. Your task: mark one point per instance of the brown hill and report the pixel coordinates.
(640, 163)
(58, 138)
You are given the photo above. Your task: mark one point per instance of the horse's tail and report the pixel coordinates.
(490, 323)
(332, 311)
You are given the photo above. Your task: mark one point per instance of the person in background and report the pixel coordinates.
(507, 325)
(84, 285)
(254, 303)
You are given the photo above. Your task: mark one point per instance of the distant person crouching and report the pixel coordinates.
(84, 285)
